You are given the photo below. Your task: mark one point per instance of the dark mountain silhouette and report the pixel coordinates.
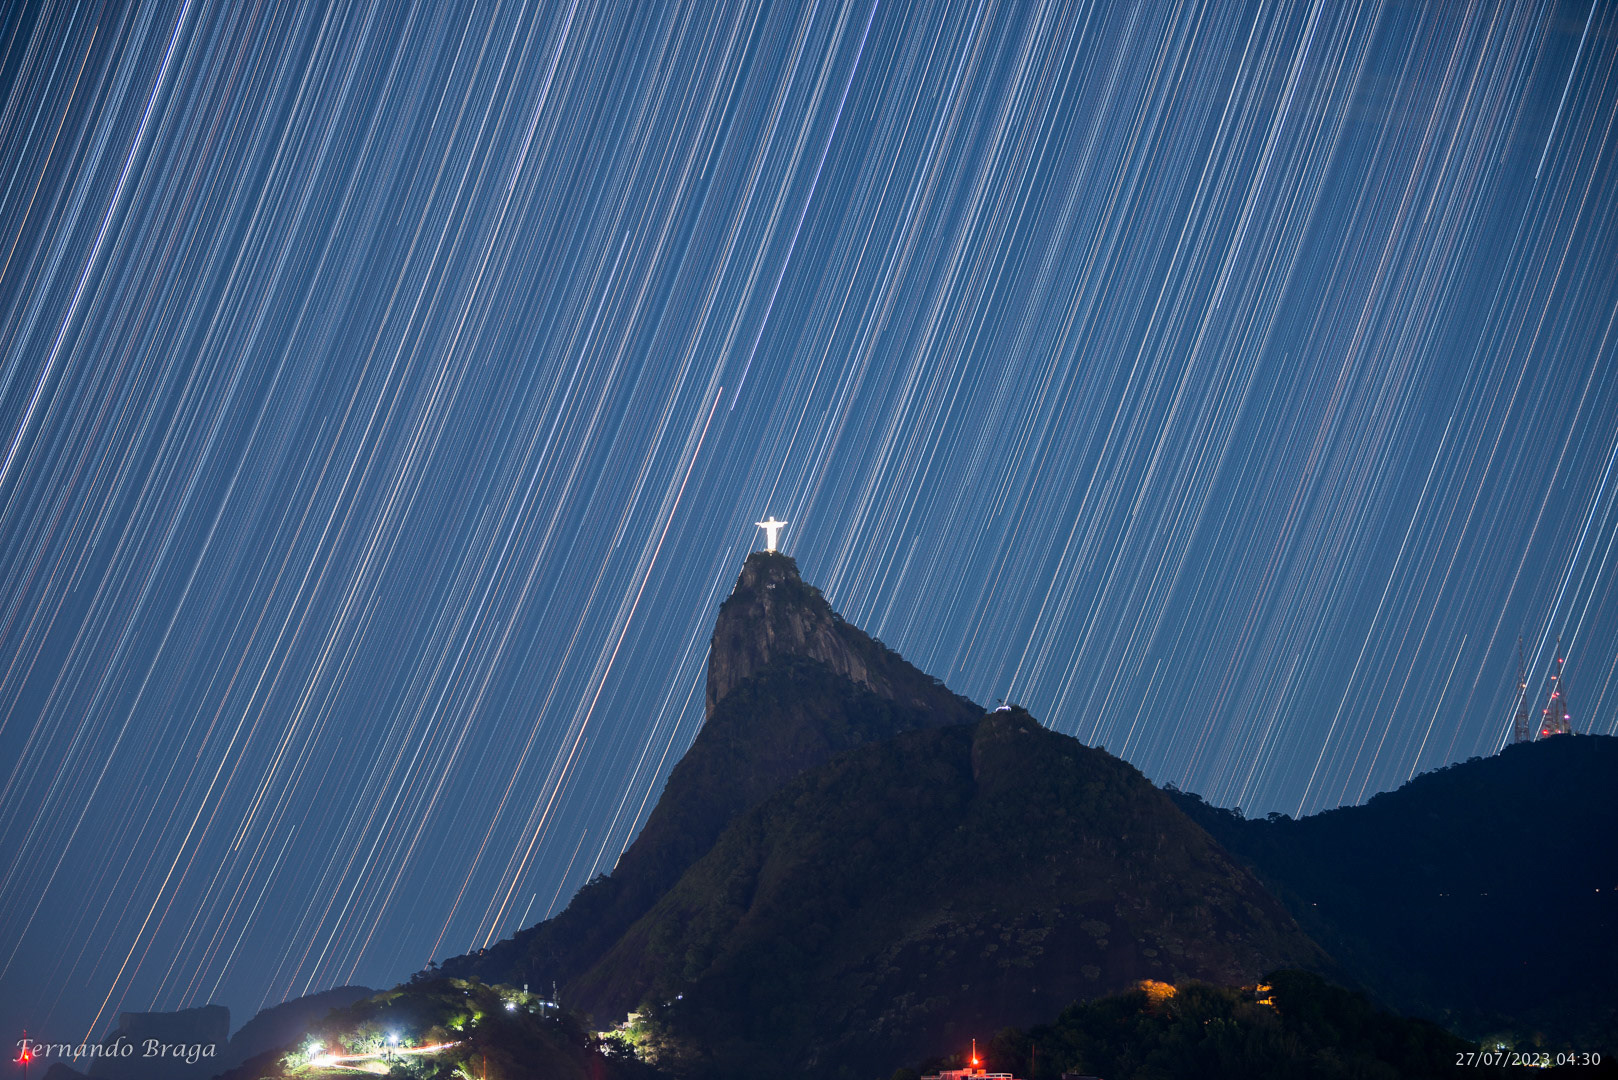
(909, 893)
(853, 868)
(852, 863)
(790, 684)
(1483, 895)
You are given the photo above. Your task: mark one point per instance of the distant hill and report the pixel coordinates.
(1484, 895)
(205, 1028)
(188, 1044)
(790, 684)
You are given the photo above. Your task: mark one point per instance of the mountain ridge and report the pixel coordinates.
(1483, 895)
(852, 868)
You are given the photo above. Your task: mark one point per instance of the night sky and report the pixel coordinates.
(388, 392)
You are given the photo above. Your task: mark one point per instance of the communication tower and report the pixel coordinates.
(1556, 721)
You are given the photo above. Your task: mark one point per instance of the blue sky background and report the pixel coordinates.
(388, 392)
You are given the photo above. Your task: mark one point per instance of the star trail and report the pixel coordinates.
(388, 393)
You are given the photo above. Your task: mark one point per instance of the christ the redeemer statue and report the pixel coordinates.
(771, 529)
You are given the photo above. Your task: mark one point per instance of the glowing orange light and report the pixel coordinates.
(1157, 992)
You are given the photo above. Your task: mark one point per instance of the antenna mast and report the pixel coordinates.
(1520, 732)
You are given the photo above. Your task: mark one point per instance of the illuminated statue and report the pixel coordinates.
(771, 529)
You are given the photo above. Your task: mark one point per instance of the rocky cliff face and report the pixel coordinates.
(772, 613)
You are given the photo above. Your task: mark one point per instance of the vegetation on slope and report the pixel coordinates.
(946, 880)
(450, 1029)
